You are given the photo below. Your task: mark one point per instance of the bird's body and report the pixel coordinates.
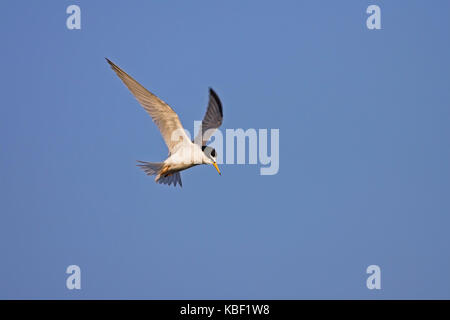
(183, 153)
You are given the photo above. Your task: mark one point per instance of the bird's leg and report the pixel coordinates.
(163, 172)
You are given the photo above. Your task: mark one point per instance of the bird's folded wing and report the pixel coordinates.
(162, 114)
(212, 119)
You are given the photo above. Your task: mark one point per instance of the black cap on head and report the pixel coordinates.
(209, 151)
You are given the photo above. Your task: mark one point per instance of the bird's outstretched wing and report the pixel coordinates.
(165, 118)
(212, 119)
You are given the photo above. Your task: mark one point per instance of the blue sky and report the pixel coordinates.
(364, 150)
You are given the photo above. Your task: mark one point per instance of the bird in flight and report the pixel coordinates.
(183, 153)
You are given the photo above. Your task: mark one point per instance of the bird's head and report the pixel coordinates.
(211, 157)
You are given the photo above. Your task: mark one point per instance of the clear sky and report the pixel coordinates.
(364, 150)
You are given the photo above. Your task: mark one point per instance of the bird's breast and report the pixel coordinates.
(186, 157)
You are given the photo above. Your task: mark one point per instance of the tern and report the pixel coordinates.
(183, 153)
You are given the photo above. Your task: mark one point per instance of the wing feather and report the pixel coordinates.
(162, 114)
(212, 119)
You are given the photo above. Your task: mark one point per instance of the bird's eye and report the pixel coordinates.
(213, 152)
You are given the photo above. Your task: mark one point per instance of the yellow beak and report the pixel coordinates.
(217, 168)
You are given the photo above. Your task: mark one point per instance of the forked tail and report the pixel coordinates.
(150, 168)
(155, 168)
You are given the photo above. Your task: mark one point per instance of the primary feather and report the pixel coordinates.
(162, 114)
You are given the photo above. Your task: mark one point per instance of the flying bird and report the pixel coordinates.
(183, 153)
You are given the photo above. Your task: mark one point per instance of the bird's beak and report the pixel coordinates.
(217, 168)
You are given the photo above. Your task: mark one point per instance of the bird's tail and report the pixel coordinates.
(150, 168)
(158, 169)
